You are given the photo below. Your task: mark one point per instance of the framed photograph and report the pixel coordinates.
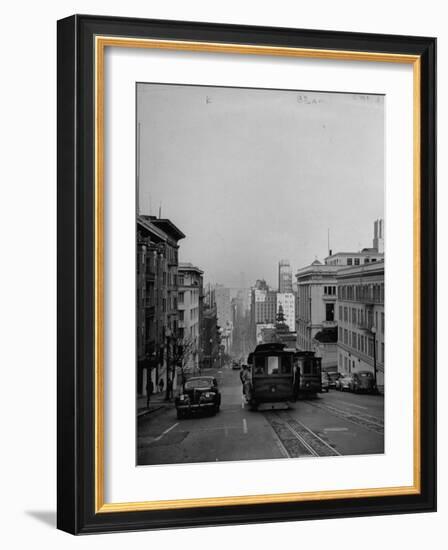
(246, 274)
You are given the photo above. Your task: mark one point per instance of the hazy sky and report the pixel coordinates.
(253, 176)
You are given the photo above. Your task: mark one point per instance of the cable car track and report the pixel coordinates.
(296, 439)
(366, 421)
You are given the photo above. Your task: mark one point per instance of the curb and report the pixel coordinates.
(149, 411)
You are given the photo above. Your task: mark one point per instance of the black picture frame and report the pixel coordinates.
(76, 480)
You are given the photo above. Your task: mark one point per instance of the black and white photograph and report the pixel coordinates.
(260, 266)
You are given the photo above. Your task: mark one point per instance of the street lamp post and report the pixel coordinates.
(211, 350)
(373, 331)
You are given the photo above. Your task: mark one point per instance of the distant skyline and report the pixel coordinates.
(255, 176)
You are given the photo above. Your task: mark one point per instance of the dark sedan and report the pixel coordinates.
(200, 393)
(363, 381)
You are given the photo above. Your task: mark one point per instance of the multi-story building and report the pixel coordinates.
(360, 313)
(224, 313)
(263, 309)
(190, 294)
(315, 318)
(210, 337)
(365, 256)
(157, 315)
(284, 277)
(287, 301)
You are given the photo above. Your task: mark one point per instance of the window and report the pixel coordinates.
(340, 313)
(349, 261)
(329, 312)
(356, 261)
(181, 297)
(382, 323)
(366, 261)
(353, 315)
(180, 279)
(340, 334)
(181, 315)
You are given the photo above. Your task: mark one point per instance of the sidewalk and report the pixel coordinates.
(156, 402)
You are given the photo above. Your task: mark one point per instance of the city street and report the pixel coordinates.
(335, 423)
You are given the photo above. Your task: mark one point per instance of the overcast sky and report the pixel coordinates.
(253, 176)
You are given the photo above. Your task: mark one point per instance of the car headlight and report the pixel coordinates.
(183, 397)
(208, 395)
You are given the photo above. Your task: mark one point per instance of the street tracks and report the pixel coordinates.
(372, 423)
(297, 440)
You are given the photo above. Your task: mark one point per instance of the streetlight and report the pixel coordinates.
(373, 331)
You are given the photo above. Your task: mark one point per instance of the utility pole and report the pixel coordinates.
(373, 330)
(167, 389)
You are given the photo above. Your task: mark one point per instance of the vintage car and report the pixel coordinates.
(345, 383)
(363, 381)
(333, 378)
(198, 394)
(325, 382)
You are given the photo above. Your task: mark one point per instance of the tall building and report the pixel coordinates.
(157, 315)
(190, 294)
(284, 277)
(378, 235)
(224, 314)
(210, 338)
(360, 314)
(287, 301)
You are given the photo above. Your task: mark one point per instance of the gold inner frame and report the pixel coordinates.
(101, 42)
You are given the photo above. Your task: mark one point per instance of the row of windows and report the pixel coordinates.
(185, 294)
(194, 314)
(373, 292)
(361, 317)
(360, 342)
(330, 290)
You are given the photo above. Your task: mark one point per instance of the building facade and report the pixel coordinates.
(156, 299)
(287, 301)
(361, 323)
(263, 309)
(363, 257)
(316, 298)
(284, 277)
(190, 296)
(224, 314)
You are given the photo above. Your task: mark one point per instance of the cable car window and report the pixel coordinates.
(259, 365)
(273, 365)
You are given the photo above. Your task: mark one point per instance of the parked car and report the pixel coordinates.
(345, 383)
(363, 381)
(333, 378)
(236, 365)
(198, 394)
(325, 382)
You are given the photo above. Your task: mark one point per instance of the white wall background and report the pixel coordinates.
(28, 271)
